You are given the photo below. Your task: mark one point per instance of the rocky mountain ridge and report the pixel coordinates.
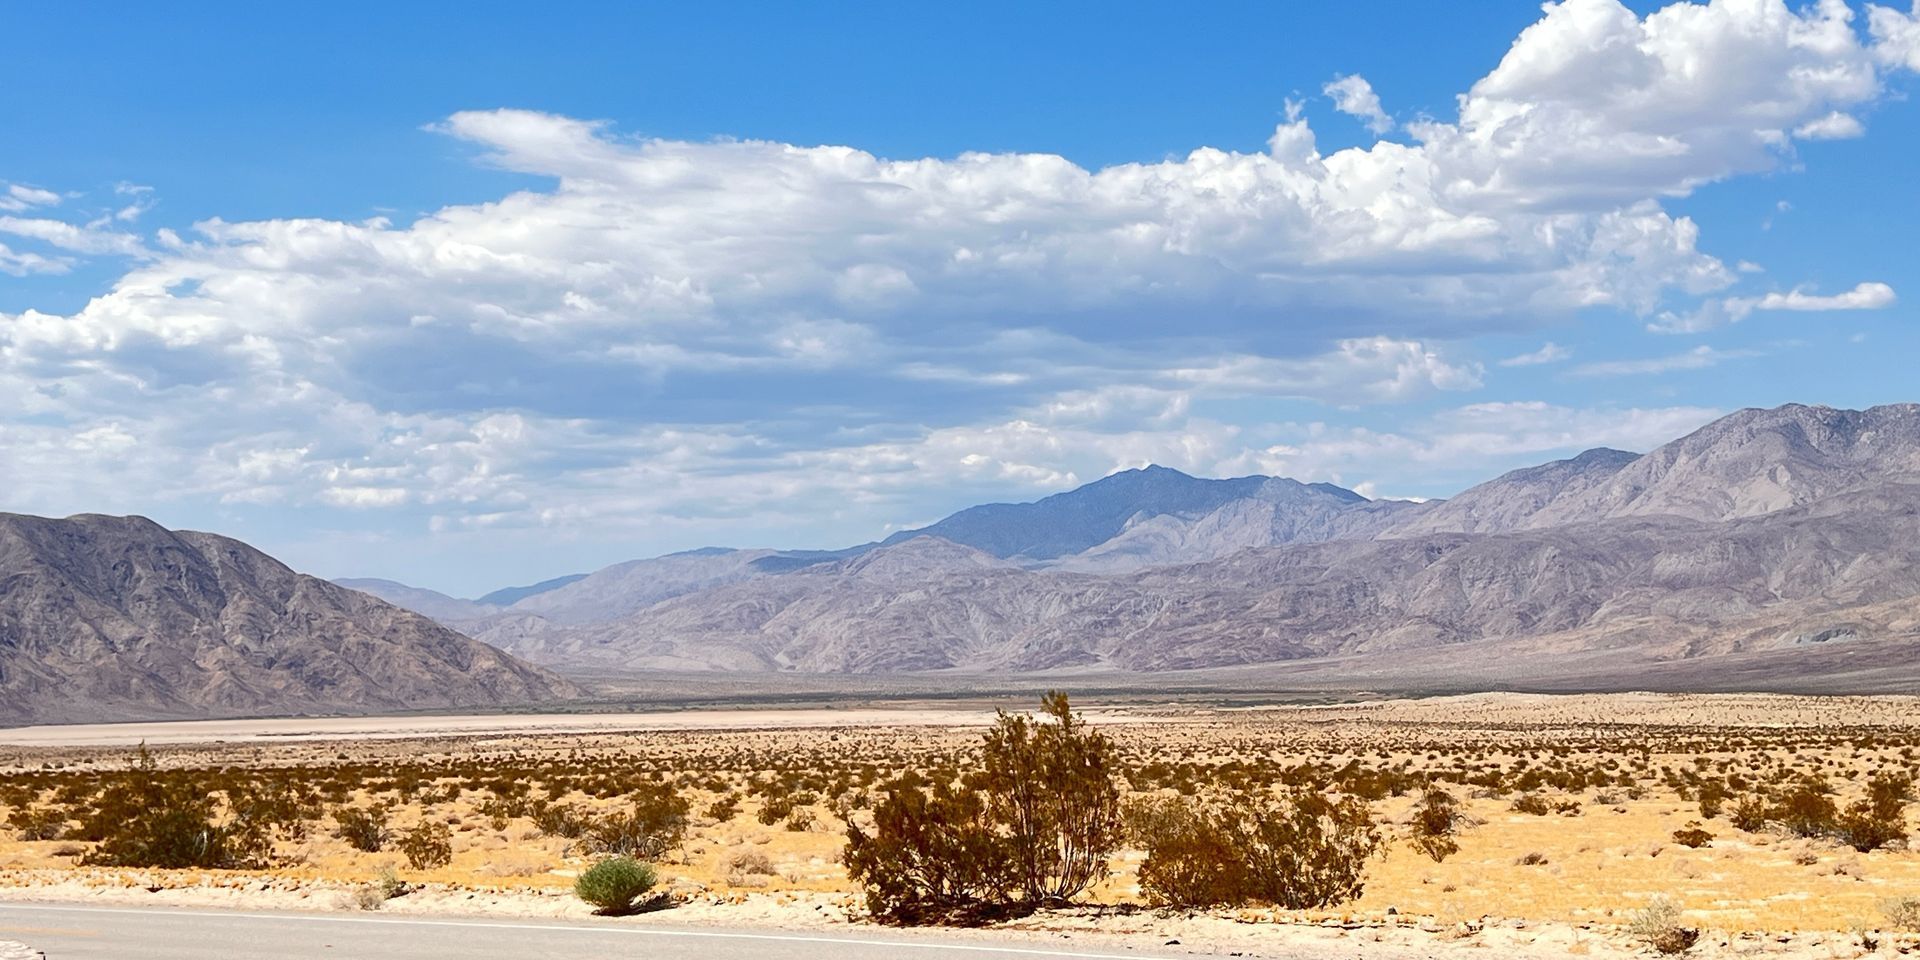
(1755, 532)
(119, 618)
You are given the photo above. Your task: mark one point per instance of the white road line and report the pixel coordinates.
(636, 931)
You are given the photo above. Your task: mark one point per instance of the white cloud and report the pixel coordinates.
(19, 197)
(1833, 126)
(1488, 436)
(1699, 358)
(1368, 370)
(1896, 35)
(1354, 96)
(1549, 352)
(682, 333)
(66, 236)
(19, 263)
(1864, 296)
(1719, 313)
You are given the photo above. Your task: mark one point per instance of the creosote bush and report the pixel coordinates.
(654, 823)
(932, 855)
(615, 885)
(150, 820)
(428, 846)
(1296, 852)
(1034, 826)
(1049, 784)
(1436, 818)
(363, 828)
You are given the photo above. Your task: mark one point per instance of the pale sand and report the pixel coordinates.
(297, 729)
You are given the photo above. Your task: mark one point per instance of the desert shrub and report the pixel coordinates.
(654, 824)
(615, 885)
(1308, 851)
(148, 819)
(1049, 785)
(1295, 852)
(561, 820)
(800, 820)
(1436, 819)
(725, 808)
(45, 823)
(1532, 804)
(1712, 797)
(389, 883)
(932, 855)
(1880, 818)
(1659, 927)
(774, 810)
(428, 846)
(1749, 815)
(1807, 810)
(1192, 860)
(1903, 914)
(363, 828)
(1692, 836)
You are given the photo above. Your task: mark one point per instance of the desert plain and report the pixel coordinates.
(1571, 806)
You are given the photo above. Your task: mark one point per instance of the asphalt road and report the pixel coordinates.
(77, 932)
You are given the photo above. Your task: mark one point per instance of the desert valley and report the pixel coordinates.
(879, 481)
(1707, 745)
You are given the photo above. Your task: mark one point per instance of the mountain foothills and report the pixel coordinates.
(1772, 549)
(1767, 546)
(119, 618)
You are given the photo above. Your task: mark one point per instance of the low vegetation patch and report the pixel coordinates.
(615, 885)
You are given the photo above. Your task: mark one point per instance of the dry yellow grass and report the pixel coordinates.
(1599, 865)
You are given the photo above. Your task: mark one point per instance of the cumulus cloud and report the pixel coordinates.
(1354, 96)
(1896, 35)
(701, 332)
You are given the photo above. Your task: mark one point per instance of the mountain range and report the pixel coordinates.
(1771, 549)
(1762, 532)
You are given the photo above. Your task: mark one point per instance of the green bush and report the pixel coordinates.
(615, 885)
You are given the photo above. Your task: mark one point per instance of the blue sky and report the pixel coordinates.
(478, 294)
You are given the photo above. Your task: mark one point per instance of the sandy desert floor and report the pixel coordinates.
(1616, 775)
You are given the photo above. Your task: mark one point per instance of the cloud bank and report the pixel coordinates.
(713, 332)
